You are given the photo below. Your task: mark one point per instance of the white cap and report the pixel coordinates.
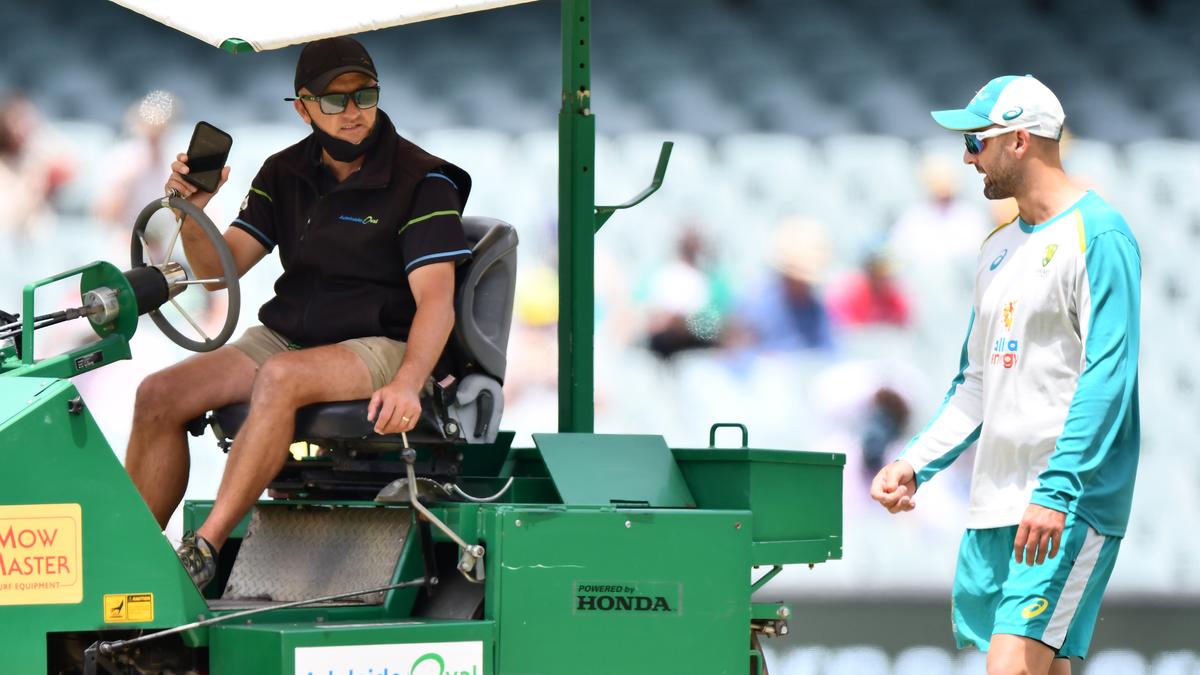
(1009, 100)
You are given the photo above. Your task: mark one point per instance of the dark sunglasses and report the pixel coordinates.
(332, 104)
(974, 140)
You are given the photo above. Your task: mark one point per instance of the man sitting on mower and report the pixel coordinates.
(369, 233)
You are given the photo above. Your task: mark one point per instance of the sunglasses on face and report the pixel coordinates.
(975, 139)
(332, 104)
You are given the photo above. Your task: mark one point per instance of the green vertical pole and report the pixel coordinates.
(576, 222)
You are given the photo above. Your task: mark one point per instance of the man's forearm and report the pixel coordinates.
(427, 337)
(201, 255)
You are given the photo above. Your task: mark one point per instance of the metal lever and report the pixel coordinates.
(472, 556)
(96, 655)
(603, 213)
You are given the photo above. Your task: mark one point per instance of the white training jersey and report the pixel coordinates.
(1048, 378)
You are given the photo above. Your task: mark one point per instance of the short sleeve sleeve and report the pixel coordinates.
(257, 214)
(434, 232)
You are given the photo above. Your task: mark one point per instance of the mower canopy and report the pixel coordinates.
(239, 26)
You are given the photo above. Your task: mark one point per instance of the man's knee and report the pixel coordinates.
(1006, 662)
(275, 383)
(157, 394)
(1016, 655)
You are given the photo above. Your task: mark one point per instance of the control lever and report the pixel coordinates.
(471, 563)
(486, 405)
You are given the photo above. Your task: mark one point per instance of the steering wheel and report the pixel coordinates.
(177, 278)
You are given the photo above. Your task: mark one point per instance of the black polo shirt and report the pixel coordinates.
(347, 248)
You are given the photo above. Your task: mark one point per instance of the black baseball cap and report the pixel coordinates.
(321, 61)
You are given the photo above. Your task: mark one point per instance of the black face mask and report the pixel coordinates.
(345, 151)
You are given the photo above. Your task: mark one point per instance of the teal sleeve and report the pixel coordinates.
(957, 423)
(931, 469)
(1106, 394)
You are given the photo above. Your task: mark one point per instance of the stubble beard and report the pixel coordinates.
(1002, 182)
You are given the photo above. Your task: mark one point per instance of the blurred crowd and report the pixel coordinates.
(842, 325)
(34, 165)
(836, 336)
(689, 303)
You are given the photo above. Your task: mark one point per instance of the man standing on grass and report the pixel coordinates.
(1047, 387)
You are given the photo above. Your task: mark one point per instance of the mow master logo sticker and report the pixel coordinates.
(41, 554)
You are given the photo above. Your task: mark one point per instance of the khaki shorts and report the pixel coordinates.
(381, 355)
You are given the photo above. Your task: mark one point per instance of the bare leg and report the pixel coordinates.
(285, 383)
(1019, 655)
(157, 455)
(1061, 667)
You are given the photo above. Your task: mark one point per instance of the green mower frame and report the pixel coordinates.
(604, 553)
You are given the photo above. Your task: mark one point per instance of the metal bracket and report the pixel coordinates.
(769, 619)
(603, 213)
(223, 442)
(96, 663)
(766, 578)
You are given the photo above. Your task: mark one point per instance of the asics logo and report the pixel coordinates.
(999, 259)
(1034, 608)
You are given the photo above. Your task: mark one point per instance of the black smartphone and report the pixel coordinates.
(206, 156)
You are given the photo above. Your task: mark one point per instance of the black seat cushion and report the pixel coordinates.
(336, 421)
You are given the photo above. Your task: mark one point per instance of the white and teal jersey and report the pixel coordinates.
(1048, 377)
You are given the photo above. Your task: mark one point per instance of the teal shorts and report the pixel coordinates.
(1055, 603)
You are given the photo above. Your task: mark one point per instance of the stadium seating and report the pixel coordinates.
(792, 67)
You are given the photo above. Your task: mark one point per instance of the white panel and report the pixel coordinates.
(428, 658)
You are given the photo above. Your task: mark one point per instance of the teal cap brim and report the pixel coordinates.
(960, 120)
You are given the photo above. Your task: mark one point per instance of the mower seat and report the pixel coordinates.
(462, 408)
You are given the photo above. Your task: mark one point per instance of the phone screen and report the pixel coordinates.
(207, 154)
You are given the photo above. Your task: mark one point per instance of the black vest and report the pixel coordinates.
(343, 273)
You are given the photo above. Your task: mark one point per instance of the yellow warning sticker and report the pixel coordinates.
(128, 607)
(41, 554)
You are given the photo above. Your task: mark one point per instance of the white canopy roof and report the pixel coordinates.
(271, 24)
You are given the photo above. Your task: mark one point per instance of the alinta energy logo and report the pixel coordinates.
(1004, 349)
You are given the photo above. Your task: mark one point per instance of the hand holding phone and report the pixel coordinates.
(195, 176)
(206, 156)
